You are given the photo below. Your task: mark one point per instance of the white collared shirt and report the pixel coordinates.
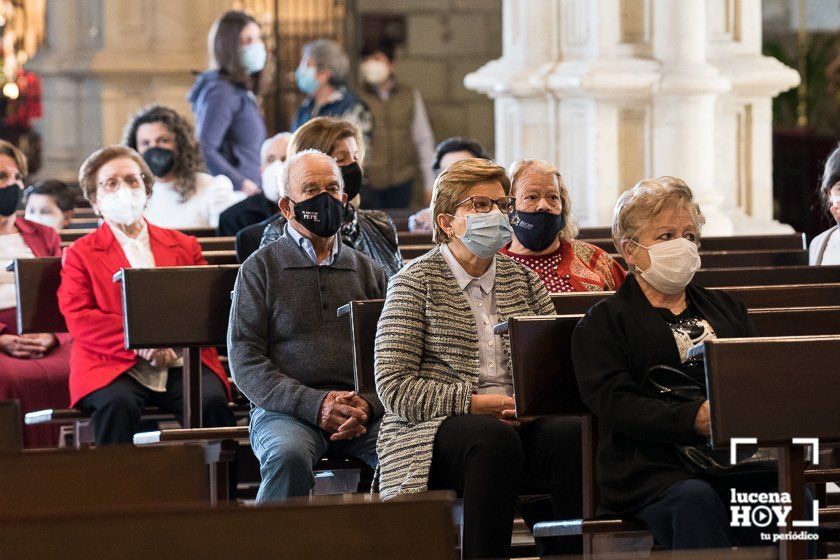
(493, 375)
(137, 250)
(309, 249)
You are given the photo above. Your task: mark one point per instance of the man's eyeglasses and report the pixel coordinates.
(111, 184)
(484, 204)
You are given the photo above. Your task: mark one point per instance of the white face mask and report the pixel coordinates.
(374, 71)
(271, 180)
(672, 265)
(124, 206)
(835, 200)
(50, 220)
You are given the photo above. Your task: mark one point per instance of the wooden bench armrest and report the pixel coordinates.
(194, 434)
(53, 415)
(573, 527)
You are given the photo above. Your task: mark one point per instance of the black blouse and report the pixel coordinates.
(613, 346)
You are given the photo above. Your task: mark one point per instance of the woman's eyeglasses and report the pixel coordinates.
(484, 204)
(113, 183)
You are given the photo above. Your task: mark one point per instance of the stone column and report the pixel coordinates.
(614, 91)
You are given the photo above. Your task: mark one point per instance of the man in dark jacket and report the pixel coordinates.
(289, 353)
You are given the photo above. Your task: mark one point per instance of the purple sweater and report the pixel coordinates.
(229, 127)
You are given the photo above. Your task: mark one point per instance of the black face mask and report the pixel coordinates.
(160, 161)
(9, 199)
(320, 214)
(537, 230)
(352, 175)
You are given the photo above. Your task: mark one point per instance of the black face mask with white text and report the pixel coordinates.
(321, 214)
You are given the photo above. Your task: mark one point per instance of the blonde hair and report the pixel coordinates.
(91, 166)
(322, 134)
(636, 208)
(520, 168)
(9, 149)
(452, 185)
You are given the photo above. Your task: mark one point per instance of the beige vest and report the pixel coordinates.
(391, 159)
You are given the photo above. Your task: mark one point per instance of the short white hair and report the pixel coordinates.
(296, 158)
(269, 142)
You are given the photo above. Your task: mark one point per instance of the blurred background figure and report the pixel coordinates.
(403, 135)
(228, 121)
(183, 195)
(50, 203)
(260, 207)
(322, 77)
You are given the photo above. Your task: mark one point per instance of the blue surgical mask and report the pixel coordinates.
(306, 79)
(253, 57)
(486, 233)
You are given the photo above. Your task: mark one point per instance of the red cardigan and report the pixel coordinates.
(91, 304)
(42, 240)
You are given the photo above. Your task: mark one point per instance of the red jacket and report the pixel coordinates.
(91, 304)
(43, 241)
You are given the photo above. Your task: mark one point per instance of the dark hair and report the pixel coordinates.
(60, 192)
(385, 47)
(224, 51)
(831, 176)
(458, 144)
(188, 158)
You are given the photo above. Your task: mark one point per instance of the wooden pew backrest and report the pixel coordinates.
(11, 429)
(774, 389)
(36, 285)
(177, 306)
(53, 480)
(355, 527)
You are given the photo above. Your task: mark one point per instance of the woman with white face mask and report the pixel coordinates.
(825, 248)
(113, 383)
(443, 374)
(656, 316)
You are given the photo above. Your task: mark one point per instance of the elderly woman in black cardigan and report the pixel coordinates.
(653, 319)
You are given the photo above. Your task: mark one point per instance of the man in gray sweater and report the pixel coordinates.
(289, 353)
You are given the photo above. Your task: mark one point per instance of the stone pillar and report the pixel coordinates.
(614, 91)
(104, 59)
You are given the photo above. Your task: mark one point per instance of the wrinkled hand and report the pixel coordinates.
(702, 422)
(159, 357)
(497, 406)
(30, 346)
(342, 420)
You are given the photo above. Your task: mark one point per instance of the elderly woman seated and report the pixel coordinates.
(444, 376)
(544, 234)
(105, 378)
(369, 231)
(653, 320)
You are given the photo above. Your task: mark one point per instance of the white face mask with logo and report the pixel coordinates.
(124, 206)
(672, 265)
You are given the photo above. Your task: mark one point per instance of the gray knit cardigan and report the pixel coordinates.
(427, 359)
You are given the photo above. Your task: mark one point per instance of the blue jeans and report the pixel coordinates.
(289, 448)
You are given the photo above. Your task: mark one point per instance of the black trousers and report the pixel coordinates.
(116, 408)
(491, 463)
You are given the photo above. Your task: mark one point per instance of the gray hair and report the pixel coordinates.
(293, 160)
(269, 141)
(328, 55)
(637, 207)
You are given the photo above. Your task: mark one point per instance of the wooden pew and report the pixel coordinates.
(56, 480)
(178, 307)
(800, 402)
(74, 234)
(799, 295)
(11, 433)
(418, 528)
(765, 276)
